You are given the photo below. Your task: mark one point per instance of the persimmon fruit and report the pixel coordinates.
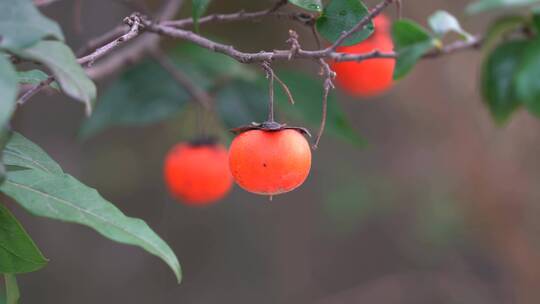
(370, 77)
(270, 162)
(197, 173)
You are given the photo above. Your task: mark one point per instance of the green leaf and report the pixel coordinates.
(22, 25)
(48, 193)
(526, 78)
(485, 5)
(501, 27)
(411, 42)
(498, 74)
(18, 253)
(442, 22)
(8, 89)
(23, 153)
(240, 103)
(308, 94)
(34, 77)
(61, 60)
(137, 99)
(342, 15)
(311, 5)
(12, 289)
(198, 9)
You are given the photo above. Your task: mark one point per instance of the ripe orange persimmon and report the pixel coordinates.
(197, 173)
(369, 77)
(270, 162)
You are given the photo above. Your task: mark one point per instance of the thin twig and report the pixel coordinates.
(328, 85)
(474, 43)
(285, 88)
(103, 39)
(35, 89)
(302, 18)
(193, 89)
(134, 22)
(138, 49)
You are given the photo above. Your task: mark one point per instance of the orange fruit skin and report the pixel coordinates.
(270, 162)
(197, 174)
(370, 77)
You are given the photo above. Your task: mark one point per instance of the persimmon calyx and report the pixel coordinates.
(269, 126)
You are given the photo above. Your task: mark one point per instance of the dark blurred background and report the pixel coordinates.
(441, 207)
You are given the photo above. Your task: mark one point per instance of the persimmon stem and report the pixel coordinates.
(270, 75)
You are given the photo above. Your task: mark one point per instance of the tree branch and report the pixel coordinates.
(175, 29)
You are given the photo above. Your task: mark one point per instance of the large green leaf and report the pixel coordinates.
(8, 89)
(136, 98)
(199, 7)
(411, 43)
(485, 5)
(526, 78)
(240, 103)
(18, 253)
(44, 191)
(498, 74)
(62, 62)
(311, 5)
(308, 94)
(342, 15)
(22, 25)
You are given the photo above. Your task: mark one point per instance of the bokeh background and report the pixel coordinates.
(441, 207)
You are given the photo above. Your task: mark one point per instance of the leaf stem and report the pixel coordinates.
(12, 289)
